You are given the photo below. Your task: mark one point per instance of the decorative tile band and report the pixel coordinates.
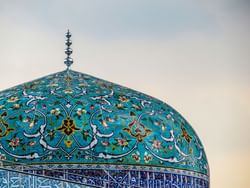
(117, 175)
(104, 178)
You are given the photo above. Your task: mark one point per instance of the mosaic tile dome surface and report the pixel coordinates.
(70, 120)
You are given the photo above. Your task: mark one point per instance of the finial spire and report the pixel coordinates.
(68, 51)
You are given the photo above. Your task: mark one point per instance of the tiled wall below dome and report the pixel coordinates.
(101, 178)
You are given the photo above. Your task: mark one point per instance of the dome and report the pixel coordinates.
(82, 129)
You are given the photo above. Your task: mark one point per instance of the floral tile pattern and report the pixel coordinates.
(73, 118)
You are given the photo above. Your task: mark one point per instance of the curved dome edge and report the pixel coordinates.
(140, 128)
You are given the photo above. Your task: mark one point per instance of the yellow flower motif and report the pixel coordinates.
(13, 99)
(122, 142)
(156, 144)
(80, 111)
(14, 142)
(123, 99)
(32, 123)
(136, 156)
(16, 106)
(2, 157)
(68, 142)
(147, 157)
(120, 106)
(104, 123)
(55, 112)
(68, 126)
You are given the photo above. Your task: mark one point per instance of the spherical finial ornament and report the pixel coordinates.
(68, 51)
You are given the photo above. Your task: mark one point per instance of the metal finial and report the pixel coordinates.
(68, 51)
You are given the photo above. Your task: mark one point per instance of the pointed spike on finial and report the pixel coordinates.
(68, 61)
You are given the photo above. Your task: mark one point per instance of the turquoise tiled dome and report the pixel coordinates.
(73, 130)
(71, 120)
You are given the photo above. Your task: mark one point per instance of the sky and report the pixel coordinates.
(194, 55)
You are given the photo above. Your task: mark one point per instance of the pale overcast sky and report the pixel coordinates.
(194, 55)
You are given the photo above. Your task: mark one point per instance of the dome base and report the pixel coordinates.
(104, 176)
